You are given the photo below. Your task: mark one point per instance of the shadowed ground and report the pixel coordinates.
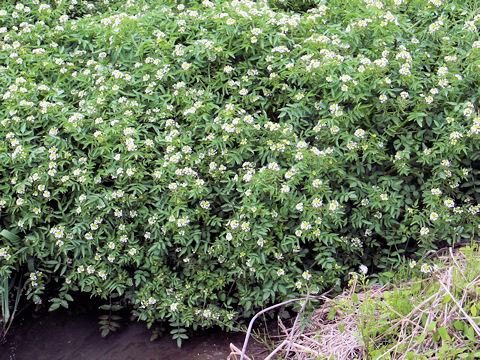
(66, 336)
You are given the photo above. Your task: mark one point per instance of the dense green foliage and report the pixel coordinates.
(205, 159)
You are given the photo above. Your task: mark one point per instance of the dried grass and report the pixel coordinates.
(339, 337)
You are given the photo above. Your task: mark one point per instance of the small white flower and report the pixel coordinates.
(363, 269)
(305, 225)
(334, 129)
(424, 231)
(449, 203)
(102, 274)
(204, 204)
(333, 205)
(351, 145)
(306, 275)
(317, 183)
(425, 268)
(228, 69)
(360, 133)
(316, 203)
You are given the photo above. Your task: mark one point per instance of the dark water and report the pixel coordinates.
(68, 336)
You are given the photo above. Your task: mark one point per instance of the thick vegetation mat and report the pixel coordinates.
(203, 159)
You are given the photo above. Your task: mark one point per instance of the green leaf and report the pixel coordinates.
(9, 235)
(54, 306)
(431, 326)
(332, 313)
(469, 333)
(421, 338)
(443, 333)
(459, 325)
(355, 298)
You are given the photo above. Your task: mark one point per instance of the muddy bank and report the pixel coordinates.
(63, 335)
